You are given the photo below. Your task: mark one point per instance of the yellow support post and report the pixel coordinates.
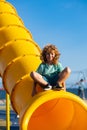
(7, 112)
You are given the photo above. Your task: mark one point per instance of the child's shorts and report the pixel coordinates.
(51, 80)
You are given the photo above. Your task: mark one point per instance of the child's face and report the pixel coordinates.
(50, 56)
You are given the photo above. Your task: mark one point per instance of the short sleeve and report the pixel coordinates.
(40, 69)
(60, 67)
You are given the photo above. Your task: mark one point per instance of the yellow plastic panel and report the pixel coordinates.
(79, 121)
(55, 110)
(7, 18)
(7, 7)
(18, 68)
(26, 83)
(15, 32)
(17, 48)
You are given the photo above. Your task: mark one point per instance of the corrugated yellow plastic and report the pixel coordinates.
(19, 55)
(18, 68)
(6, 7)
(14, 19)
(17, 48)
(13, 32)
(53, 110)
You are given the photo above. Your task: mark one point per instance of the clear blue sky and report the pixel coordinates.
(60, 22)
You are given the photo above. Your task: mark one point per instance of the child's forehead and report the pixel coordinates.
(50, 51)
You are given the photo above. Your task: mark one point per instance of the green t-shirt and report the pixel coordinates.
(49, 71)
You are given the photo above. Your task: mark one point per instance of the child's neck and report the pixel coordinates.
(49, 63)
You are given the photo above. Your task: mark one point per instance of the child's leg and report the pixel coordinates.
(63, 76)
(38, 78)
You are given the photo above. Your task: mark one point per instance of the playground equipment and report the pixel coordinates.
(19, 55)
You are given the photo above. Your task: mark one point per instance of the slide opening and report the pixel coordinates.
(55, 113)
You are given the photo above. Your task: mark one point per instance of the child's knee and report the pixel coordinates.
(32, 74)
(68, 70)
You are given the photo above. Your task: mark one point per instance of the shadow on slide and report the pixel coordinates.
(19, 55)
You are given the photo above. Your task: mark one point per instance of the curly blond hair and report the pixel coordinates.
(48, 49)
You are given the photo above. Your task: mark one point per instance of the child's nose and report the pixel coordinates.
(50, 54)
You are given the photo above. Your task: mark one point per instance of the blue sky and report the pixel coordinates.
(60, 22)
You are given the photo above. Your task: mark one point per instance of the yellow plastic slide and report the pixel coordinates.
(19, 55)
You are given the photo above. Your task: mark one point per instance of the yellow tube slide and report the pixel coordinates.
(19, 55)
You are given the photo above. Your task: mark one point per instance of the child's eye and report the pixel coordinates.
(47, 53)
(52, 53)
